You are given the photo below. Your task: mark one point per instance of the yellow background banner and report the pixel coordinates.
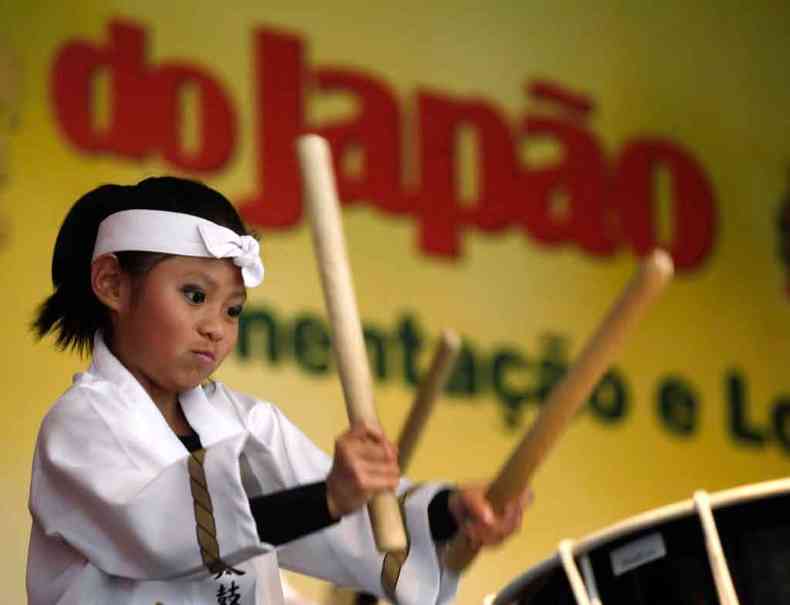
(504, 169)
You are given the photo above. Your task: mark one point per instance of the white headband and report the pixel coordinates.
(178, 233)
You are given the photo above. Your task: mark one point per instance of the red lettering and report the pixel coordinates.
(440, 212)
(580, 177)
(550, 91)
(280, 78)
(76, 68)
(375, 132)
(283, 79)
(577, 199)
(217, 125)
(145, 102)
(693, 209)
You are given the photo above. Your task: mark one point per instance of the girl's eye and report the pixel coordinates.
(195, 296)
(235, 311)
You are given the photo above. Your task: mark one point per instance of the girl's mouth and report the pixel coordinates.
(205, 356)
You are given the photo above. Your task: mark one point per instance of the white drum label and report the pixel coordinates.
(637, 553)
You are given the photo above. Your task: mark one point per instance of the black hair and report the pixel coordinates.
(73, 311)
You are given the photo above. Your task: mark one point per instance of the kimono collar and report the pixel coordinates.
(133, 402)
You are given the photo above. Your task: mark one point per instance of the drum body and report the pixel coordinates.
(660, 558)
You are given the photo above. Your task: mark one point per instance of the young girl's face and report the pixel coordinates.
(179, 323)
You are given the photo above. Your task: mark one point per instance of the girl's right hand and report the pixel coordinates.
(365, 464)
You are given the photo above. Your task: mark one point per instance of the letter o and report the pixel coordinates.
(216, 118)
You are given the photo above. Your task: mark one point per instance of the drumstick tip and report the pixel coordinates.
(451, 340)
(660, 263)
(311, 142)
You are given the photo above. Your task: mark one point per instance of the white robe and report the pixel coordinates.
(114, 519)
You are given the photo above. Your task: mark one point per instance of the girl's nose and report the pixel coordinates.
(211, 328)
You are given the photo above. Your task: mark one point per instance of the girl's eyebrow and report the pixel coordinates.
(212, 283)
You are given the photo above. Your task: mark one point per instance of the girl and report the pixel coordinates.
(152, 484)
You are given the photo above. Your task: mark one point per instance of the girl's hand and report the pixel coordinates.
(365, 464)
(477, 519)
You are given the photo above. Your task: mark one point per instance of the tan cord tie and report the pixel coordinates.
(204, 516)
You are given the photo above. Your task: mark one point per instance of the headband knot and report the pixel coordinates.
(243, 249)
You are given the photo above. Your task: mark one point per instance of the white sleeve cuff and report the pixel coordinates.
(422, 577)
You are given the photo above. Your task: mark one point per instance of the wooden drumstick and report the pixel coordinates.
(572, 391)
(427, 393)
(319, 188)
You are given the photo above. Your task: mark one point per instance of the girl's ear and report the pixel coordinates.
(109, 282)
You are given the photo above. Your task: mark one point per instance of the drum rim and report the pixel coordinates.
(671, 512)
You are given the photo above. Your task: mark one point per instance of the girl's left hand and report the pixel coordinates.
(479, 521)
